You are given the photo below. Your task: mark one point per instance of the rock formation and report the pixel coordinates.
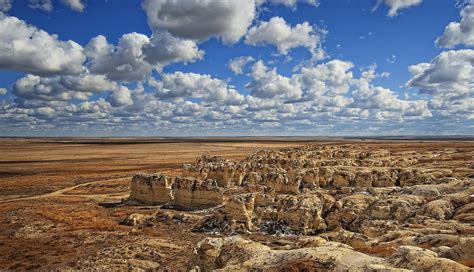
(152, 189)
(235, 253)
(367, 210)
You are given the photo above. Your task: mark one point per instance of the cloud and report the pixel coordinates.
(238, 64)
(459, 33)
(288, 3)
(269, 84)
(383, 103)
(201, 19)
(5, 5)
(192, 85)
(278, 33)
(29, 49)
(61, 88)
(122, 62)
(450, 72)
(45, 5)
(3, 91)
(384, 99)
(459, 109)
(136, 55)
(120, 97)
(76, 5)
(396, 5)
(332, 89)
(164, 49)
(196, 103)
(449, 79)
(331, 79)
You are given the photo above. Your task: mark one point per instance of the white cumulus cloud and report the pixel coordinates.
(136, 55)
(192, 85)
(449, 79)
(269, 84)
(459, 32)
(238, 64)
(201, 19)
(396, 5)
(450, 72)
(278, 33)
(288, 3)
(76, 5)
(120, 97)
(61, 88)
(29, 49)
(164, 49)
(122, 62)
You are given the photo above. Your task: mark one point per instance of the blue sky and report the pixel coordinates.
(312, 67)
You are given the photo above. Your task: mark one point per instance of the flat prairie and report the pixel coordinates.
(58, 196)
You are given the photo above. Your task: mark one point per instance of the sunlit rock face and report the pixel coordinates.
(191, 193)
(179, 192)
(152, 189)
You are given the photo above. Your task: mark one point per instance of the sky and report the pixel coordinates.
(236, 67)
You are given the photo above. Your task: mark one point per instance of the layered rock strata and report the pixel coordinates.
(392, 210)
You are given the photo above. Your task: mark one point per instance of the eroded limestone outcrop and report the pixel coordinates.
(384, 211)
(151, 189)
(419, 259)
(235, 253)
(191, 193)
(184, 193)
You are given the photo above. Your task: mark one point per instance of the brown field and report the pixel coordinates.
(56, 195)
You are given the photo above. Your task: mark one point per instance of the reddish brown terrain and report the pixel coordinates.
(64, 204)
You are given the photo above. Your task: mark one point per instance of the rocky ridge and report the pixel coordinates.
(386, 210)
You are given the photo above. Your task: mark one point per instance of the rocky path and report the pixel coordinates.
(64, 193)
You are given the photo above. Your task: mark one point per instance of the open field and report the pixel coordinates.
(57, 196)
